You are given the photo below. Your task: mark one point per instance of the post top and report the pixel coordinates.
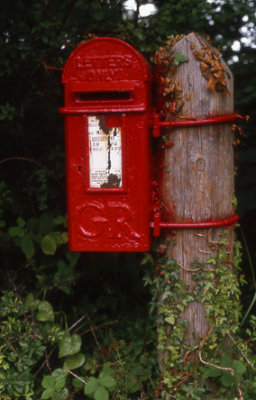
(106, 59)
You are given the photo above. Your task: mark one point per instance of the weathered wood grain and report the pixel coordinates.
(198, 176)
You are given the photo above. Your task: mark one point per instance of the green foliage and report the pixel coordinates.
(230, 373)
(100, 388)
(21, 349)
(212, 367)
(54, 385)
(7, 112)
(69, 345)
(179, 58)
(29, 342)
(28, 235)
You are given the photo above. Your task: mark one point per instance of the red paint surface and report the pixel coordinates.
(157, 124)
(193, 225)
(106, 77)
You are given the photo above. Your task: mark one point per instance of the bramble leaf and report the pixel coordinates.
(47, 394)
(48, 382)
(107, 381)
(91, 386)
(100, 393)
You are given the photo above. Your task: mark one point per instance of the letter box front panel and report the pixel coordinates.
(107, 112)
(108, 196)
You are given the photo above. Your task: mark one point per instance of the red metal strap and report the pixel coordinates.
(157, 224)
(157, 124)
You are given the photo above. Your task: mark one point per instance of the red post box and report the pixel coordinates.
(107, 111)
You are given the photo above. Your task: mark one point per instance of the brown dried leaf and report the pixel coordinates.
(172, 87)
(212, 68)
(207, 60)
(179, 105)
(178, 87)
(211, 84)
(203, 66)
(199, 54)
(218, 75)
(207, 74)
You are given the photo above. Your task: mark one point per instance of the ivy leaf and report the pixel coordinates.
(48, 245)
(180, 307)
(100, 393)
(91, 386)
(170, 319)
(75, 361)
(45, 312)
(211, 261)
(69, 345)
(179, 58)
(147, 259)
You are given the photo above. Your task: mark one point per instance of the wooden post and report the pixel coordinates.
(198, 170)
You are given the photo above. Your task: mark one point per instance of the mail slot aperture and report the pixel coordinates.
(103, 96)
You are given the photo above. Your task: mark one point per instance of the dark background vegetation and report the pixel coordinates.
(36, 38)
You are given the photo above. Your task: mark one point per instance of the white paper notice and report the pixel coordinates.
(105, 153)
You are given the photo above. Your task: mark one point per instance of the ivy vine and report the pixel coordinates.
(221, 365)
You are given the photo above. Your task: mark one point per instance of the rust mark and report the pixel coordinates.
(113, 181)
(102, 125)
(109, 153)
(106, 131)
